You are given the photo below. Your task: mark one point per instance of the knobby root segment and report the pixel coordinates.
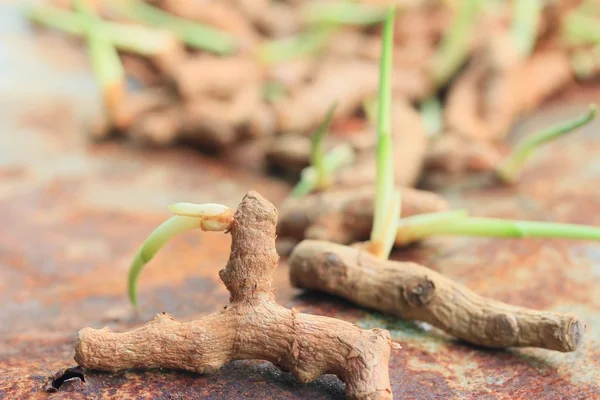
(413, 292)
(252, 326)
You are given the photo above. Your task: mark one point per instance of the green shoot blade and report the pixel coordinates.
(454, 48)
(104, 58)
(509, 169)
(370, 110)
(343, 13)
(580, 28)
(584, 62)
(56, 18)
(307, 182)
(304, 44)
(317, 152)
(432, 114)
(336, 158)
(274, 91)
(134, 38)
(458, 223)
(386, 200)
(193, 34)
(411, 229)
(157, 239)
(526, 20)
(390, 227)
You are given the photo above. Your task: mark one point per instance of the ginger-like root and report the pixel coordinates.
(345, 216)
(252, 326)
(411, 291)
(348, 83)
(453, 154)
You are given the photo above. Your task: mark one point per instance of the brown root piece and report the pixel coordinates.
(215, 123)
(454, 154)
(208, 75)
(411, 291)
(157, 127)
(252, 326)
(348, 83)
(292, 74)
(497, 88)
(345, 216)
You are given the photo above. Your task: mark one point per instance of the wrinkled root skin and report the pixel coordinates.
(345, 216)
(252, 326)
(413, 292)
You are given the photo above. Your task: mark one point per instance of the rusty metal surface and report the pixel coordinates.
(72, 216)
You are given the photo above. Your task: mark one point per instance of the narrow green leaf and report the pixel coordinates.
(343, 13)
(317, 152)
(334, 159)
(194, 34)
(432, 114)
(128, 37)
(385, 184)
(511, 166)
(457, 223)
(526, 20)
(274, 91)
(454, 48)
(157, 239)
(56, 18)
(104, 58)
(289, 48)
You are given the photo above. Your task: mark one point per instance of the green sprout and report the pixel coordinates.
(343, 13)
(509, 169)
(526, 20)
(454, 48)
(370, 109)
(193, 34)
(188, 216)
(585, 62)
(319, 174)
(580, 26)
(580, 29)
(387, 199)
(127, 37)
(458, 222)
(432, 115)
(104, 58)
(297, 46)
(274, 91)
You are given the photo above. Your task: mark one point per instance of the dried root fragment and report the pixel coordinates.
(252, 326)
(411, 291)
(221, 77)
(292, 74)
(157, 127)
(211, 122)
(348, 83)
(453, 154)
(345, 216)
(497, 88)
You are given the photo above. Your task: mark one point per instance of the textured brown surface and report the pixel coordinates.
(251, 327)
(73, 215)
(412, 292)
